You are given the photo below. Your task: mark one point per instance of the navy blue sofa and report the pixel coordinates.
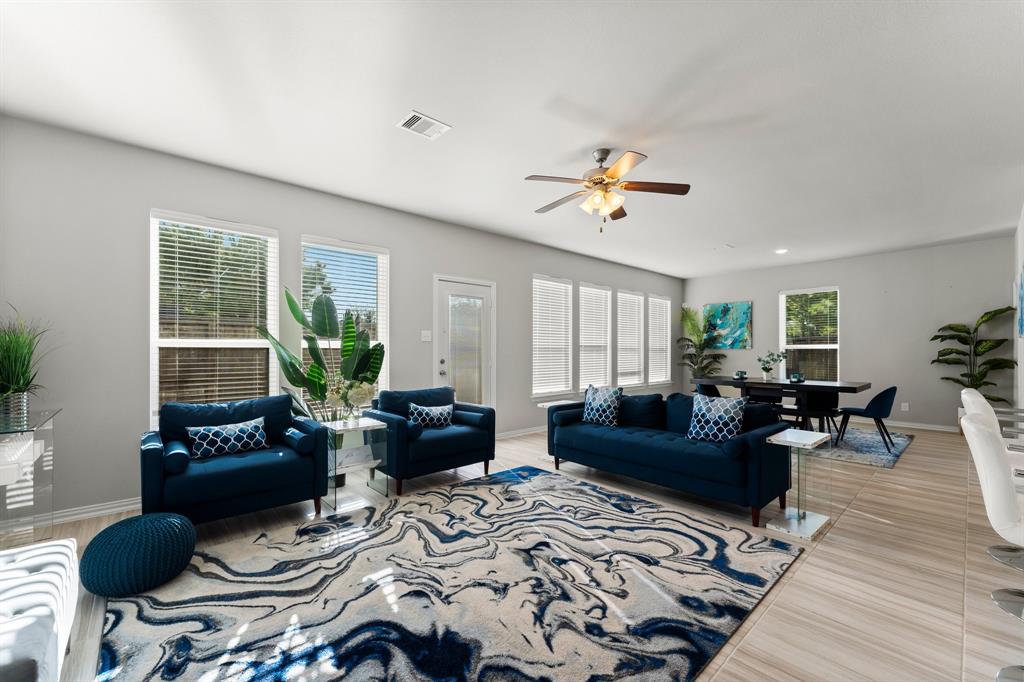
(228, 485)
(650, 444)
(416, 451)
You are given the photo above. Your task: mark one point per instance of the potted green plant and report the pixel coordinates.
(768, 362)
(977, 374)
(697, 343)
(336, 385)
(19, 364)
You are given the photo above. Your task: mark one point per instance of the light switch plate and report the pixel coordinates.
(905, 407)
(426, 335)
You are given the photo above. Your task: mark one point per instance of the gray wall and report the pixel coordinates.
(889, 306)
(74, 240)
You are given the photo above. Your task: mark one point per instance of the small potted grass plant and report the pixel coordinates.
(19, 364)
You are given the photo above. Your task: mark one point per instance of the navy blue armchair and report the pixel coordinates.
(415, 451)
(290, 469)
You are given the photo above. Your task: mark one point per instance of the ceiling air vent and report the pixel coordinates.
(423, 125)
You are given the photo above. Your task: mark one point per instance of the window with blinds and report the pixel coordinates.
(212, 285)
(809, 332)
(595, 331)
(659, 331)
(630, 337)
(552, 336)
(356, 278)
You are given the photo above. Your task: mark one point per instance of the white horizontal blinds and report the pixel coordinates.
(630, 334)
(595, 330)
(810, 332)
(552, 336)
(659, 367)
(213, 288)
(357, 280)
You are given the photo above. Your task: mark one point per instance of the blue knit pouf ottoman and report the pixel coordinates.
(137, 554)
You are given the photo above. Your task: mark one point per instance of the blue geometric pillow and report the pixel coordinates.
(228, 439)
(601, 405)
(716, 419)
(431, 417)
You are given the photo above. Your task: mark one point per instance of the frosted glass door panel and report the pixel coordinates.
(466, 320)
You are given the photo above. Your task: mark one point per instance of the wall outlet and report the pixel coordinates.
(904, 407)
(426, 335)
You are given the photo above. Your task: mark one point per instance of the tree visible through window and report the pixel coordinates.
(810, 333)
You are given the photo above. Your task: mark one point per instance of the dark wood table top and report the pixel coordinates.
(786, 384)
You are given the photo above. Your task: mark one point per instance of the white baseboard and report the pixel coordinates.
(520, 432)
(907, 425)
(92, 510)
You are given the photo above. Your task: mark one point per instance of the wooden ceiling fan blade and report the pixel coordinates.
(625, 163)
(563, 200)
(617, 213)
(656, 187)
(555, 178)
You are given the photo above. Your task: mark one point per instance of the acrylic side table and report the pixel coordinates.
(26, 478)
(369, 453)
(813, 485)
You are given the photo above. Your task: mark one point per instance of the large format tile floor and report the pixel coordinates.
(896, 590)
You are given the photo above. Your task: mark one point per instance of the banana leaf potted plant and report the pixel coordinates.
(977, 371)
(19, 365)
(336, 383)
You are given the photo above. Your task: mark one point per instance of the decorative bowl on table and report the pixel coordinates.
(740, 375)
(796, 378)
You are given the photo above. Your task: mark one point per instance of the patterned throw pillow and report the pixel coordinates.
(431, 417)
(601, 405)
(228, 439)
(716, 419)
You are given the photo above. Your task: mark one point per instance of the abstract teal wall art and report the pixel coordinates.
(733, 321)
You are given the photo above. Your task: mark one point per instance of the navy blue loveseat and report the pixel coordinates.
(650, 444)
(228, 485)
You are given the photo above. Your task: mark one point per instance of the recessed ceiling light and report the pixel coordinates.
(781, 251)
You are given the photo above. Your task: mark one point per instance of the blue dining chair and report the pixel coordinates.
(878, 408)
(710, 390)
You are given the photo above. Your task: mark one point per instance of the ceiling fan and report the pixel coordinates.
(600, 184)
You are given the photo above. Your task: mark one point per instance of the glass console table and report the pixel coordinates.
(811, 515)
(358, 444)
(26, 478)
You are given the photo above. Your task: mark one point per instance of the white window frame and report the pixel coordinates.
(813, 346)
(668, 340)
(383, 291)
(273, 296)
(579, 329)
(643, 339)
(572, 339)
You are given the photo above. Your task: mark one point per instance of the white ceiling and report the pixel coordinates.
(830, 129)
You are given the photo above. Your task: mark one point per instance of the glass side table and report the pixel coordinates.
(26, 478)
(813, 511)
(358, 444)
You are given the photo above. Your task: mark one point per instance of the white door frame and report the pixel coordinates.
(492, 373)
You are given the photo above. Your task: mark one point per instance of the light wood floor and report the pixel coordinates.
(896, 590)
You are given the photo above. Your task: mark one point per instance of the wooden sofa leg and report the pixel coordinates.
(487, 467)
(782, 501)
(398, 486)
(556, 462)
(755, 517)
(316, 505)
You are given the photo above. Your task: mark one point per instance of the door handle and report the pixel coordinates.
(443, 372)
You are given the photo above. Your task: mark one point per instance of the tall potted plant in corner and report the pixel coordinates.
(974, 348)
(697, 343)
(342, 379)
(19, 364)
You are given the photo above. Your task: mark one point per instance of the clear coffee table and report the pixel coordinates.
(26, 478)
(357, 444)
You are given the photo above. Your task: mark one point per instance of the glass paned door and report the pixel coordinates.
(464, 340)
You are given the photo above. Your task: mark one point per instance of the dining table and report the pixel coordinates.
(807, 393)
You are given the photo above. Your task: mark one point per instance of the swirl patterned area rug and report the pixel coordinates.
(524, 574)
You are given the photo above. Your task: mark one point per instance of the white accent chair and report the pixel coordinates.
(38, 596)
